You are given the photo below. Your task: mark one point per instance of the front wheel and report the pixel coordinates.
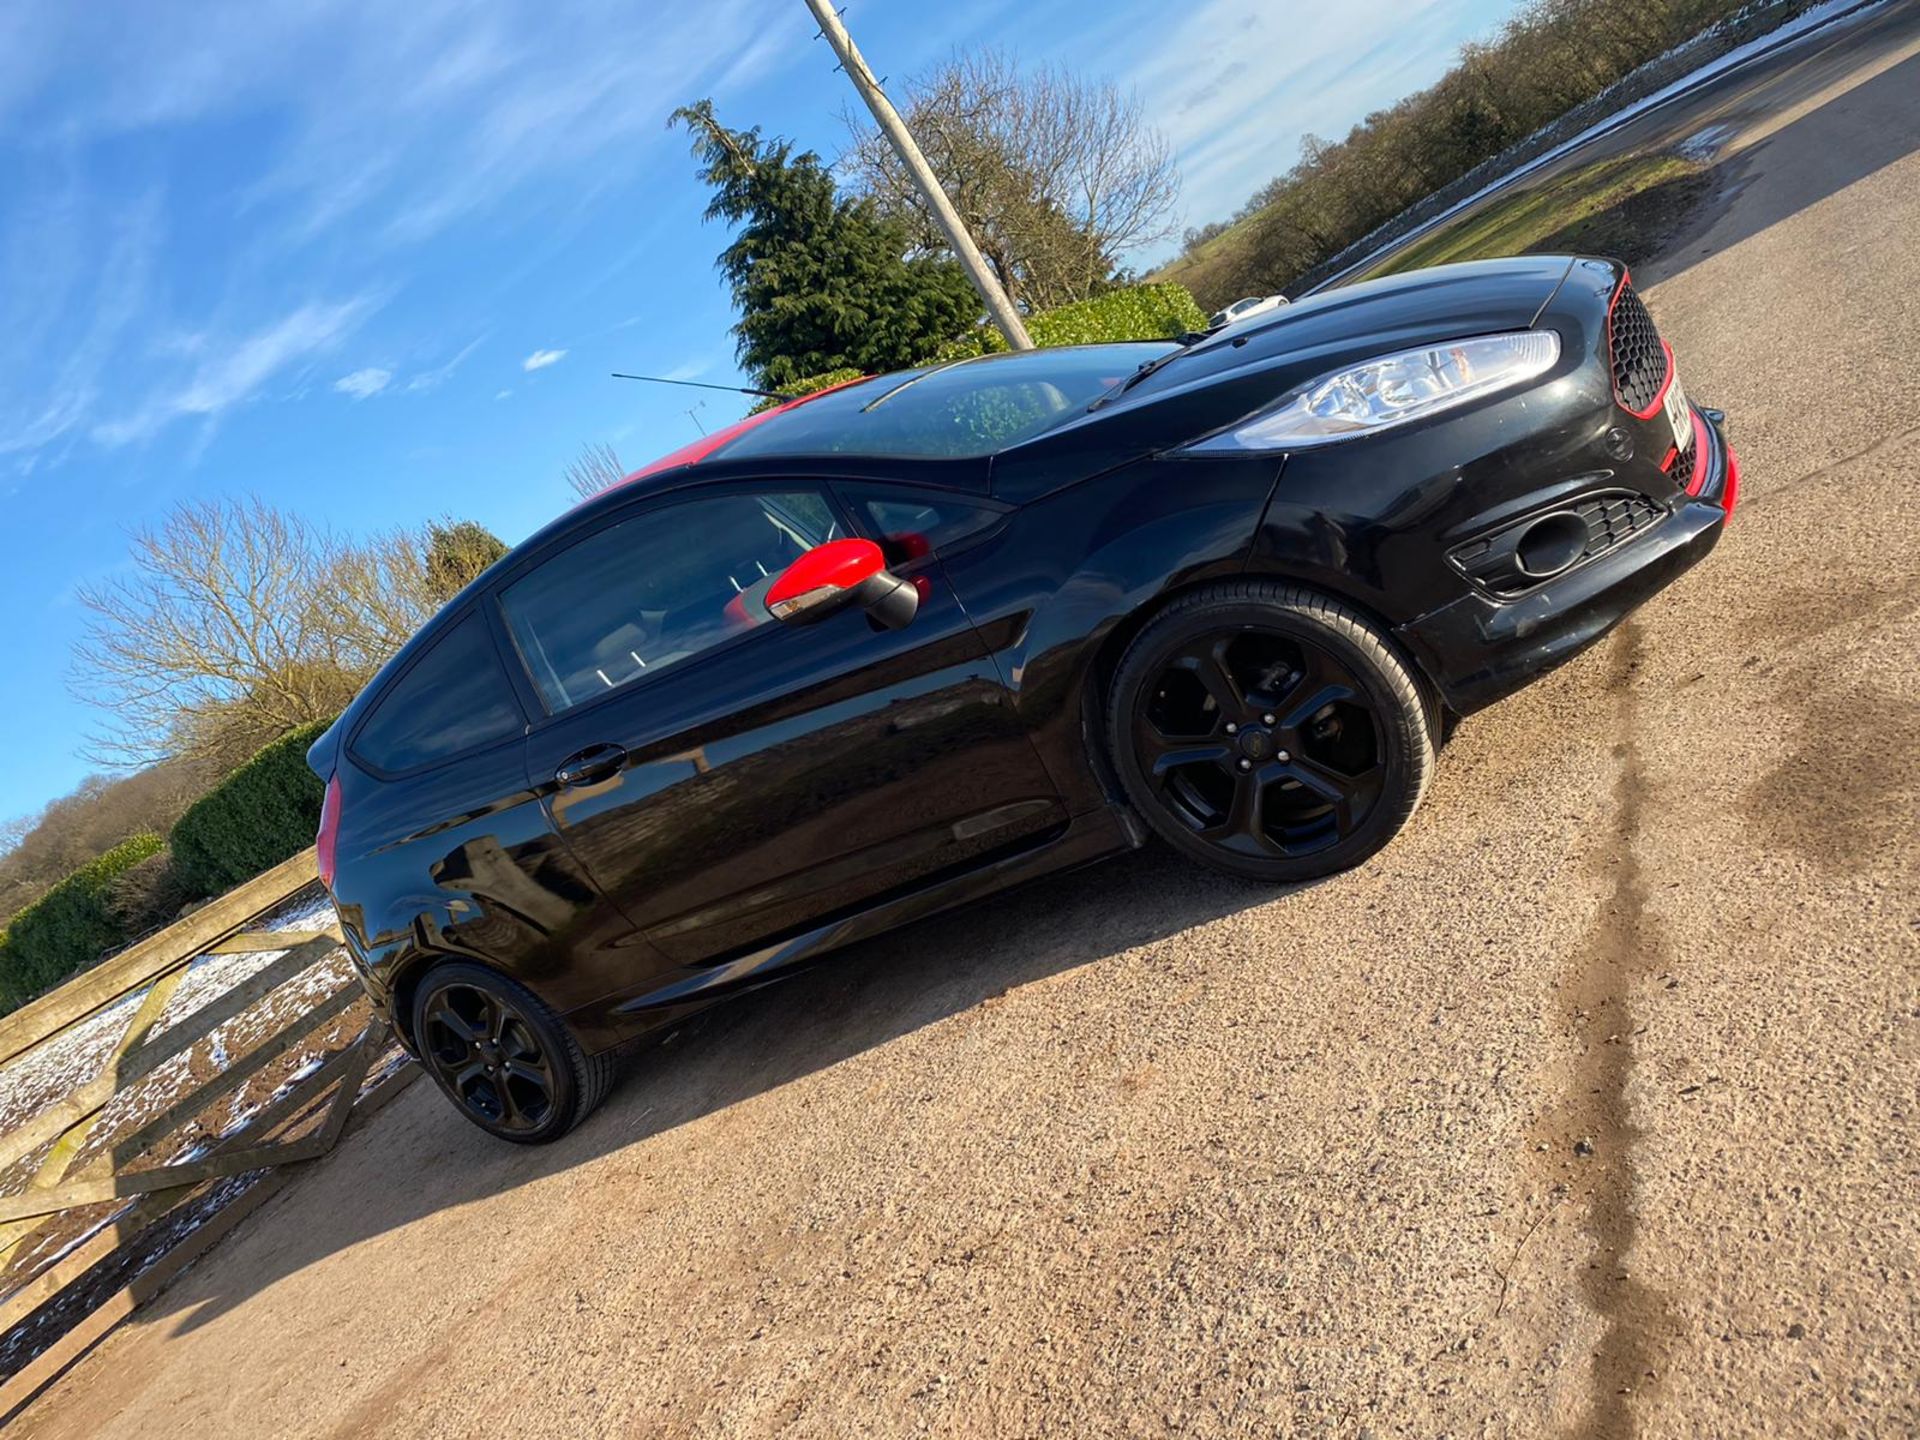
(1269, 732)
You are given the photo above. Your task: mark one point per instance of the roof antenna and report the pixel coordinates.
(702, 385)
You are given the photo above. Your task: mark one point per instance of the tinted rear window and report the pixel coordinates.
(454, 698)
(957, 412)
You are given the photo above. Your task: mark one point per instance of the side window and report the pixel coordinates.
(646, 593)
(454, 698)
(912, 525)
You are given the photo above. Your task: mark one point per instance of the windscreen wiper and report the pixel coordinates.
(1185, 342)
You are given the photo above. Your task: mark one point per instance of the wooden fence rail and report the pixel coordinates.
(80, 1163)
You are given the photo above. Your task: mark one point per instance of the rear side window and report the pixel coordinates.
(911, 526)
(644, 594)
(455, 697)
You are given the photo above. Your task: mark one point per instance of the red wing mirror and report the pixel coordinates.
(830, 577)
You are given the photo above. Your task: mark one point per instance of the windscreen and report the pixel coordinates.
(952, 412)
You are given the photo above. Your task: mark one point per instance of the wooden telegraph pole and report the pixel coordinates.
(998, 305)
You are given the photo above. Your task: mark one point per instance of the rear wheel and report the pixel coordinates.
(1269, 732)
(508, 1063)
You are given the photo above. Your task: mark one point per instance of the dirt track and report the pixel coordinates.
(1139, 1151)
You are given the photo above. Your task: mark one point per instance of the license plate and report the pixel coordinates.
(1679, 413)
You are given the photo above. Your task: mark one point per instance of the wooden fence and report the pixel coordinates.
(72, 1160)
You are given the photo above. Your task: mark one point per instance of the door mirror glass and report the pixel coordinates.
(830, 577)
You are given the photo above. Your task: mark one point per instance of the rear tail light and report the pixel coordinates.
(327, 841)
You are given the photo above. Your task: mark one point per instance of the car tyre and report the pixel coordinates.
(505, 1060)
(1270, 732)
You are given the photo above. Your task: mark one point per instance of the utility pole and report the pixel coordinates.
(998, 305)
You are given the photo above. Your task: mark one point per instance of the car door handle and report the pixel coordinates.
(588, 766)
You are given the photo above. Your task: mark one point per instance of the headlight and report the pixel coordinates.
(1392, 390)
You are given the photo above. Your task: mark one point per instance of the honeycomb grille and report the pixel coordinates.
(1613, 519)
(1639, 362)
(1682, 467)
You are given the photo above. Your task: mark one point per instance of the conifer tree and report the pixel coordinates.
(822, 281)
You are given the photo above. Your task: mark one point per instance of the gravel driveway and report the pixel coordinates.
(1589, 1108)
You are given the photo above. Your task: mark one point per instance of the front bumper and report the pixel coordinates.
(1479, 649)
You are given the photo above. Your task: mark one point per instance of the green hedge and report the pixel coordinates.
(263, 812)
(1159, 311)
(68, 928)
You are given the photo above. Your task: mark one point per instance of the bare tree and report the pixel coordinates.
(13, 831)
(1056, 176)
(238, 622)
(215, 641)
(594, 469)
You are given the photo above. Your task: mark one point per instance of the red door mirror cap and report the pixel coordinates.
(836, 565)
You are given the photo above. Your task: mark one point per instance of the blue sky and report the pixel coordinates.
(373, 261)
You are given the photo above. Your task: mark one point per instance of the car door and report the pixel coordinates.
(729, 780)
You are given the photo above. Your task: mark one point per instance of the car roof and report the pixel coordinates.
(705, 462)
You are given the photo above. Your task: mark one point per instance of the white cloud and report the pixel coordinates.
(363, 384)
(541, 359)
(232, 375)
(75, 279)
(688, 370)
(434, 378)
(415, 114)
(503, 394)
(373, 127)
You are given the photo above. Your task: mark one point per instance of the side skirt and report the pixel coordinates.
(618, 1018)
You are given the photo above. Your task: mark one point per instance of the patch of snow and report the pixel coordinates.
(311, 909)
(1702, 145)
(51, 1071)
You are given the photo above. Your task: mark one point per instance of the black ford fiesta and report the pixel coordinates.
(901, 644)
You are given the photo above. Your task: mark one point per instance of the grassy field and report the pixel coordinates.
(1321, 213)
(1626, 207)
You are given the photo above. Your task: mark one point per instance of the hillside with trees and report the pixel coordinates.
(1550, 57)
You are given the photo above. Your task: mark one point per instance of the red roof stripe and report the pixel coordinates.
(707, 444)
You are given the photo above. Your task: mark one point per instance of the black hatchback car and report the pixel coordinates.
(902, 644)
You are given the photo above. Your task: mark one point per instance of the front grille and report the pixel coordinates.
(1682, 467)
(1639, 361)
(1614, 518)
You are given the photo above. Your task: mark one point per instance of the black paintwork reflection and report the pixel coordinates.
(808, 771)
(424, 874)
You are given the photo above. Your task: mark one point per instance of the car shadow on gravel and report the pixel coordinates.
(420, 1158)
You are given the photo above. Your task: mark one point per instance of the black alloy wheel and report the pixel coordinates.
(1269, 732)
(503, 1058)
